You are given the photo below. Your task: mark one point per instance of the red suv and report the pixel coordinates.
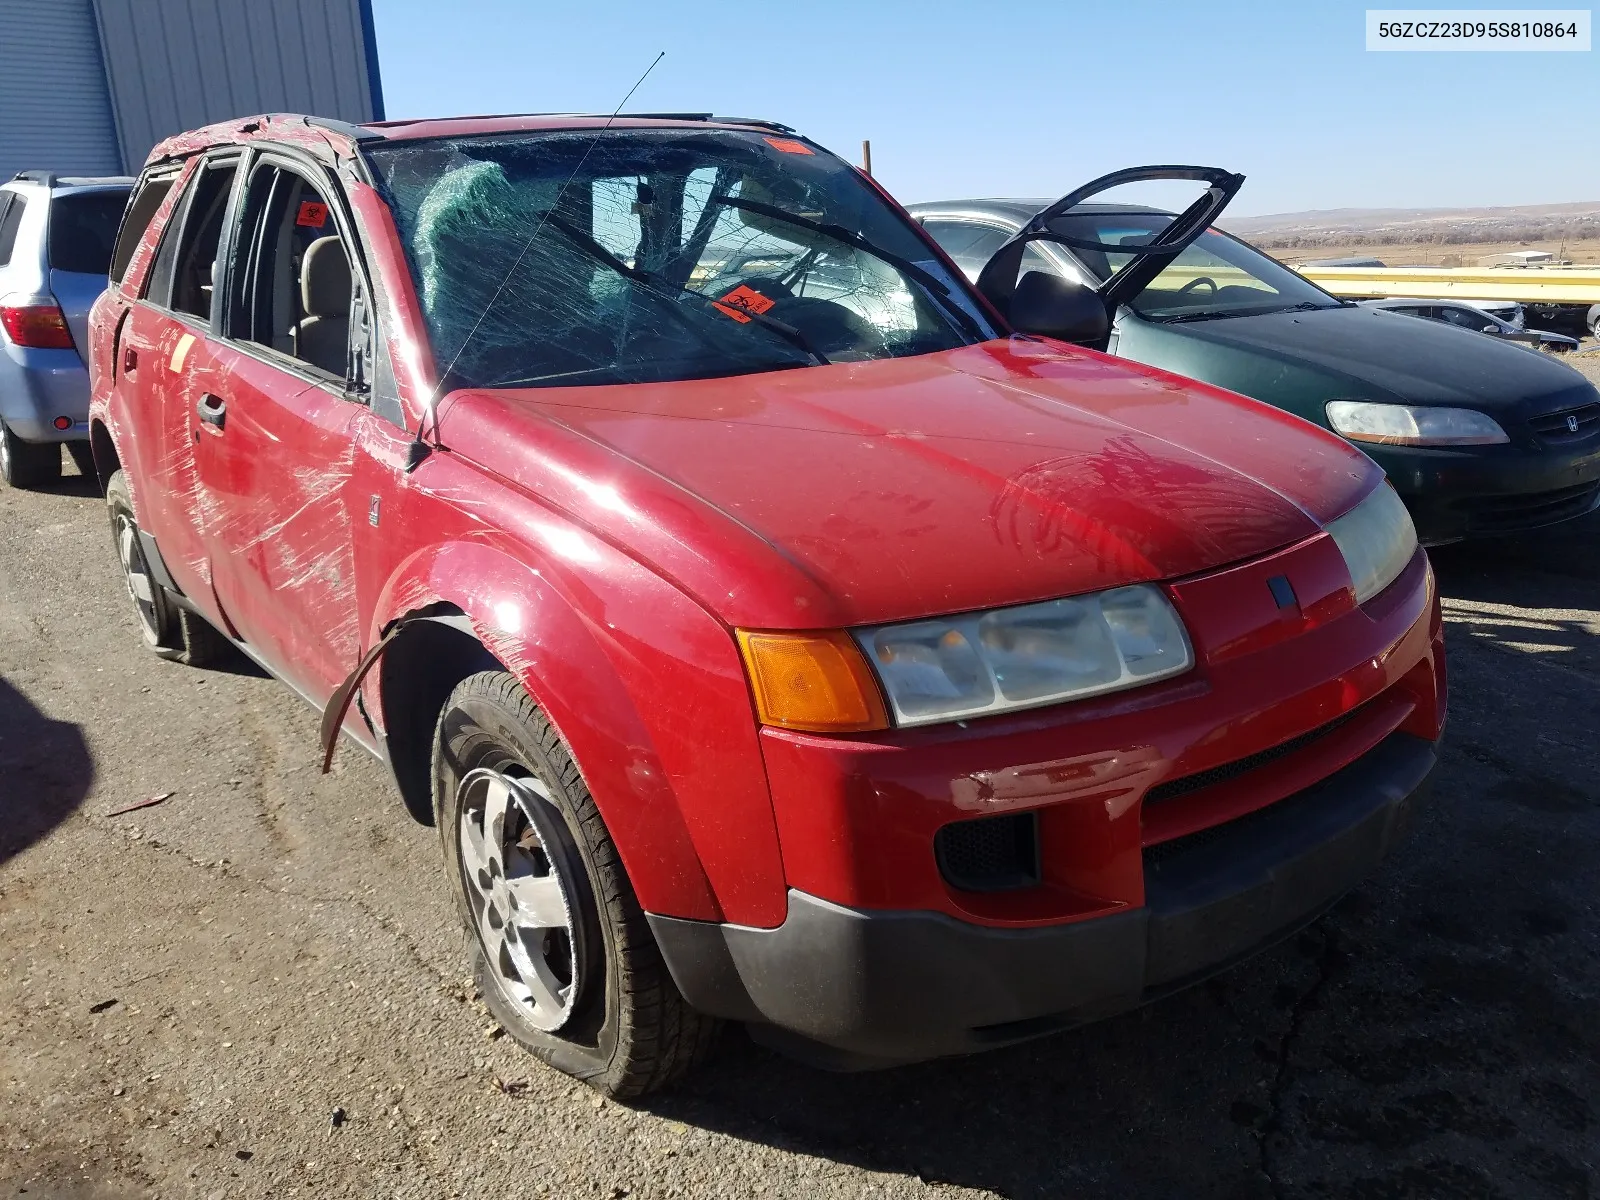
(771, 634)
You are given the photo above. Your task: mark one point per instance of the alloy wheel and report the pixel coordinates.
(520, 901)
(136, 574)
(5, 454)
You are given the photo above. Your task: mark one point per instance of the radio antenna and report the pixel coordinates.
(419, 448)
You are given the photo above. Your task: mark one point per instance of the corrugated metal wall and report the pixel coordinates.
(178, 64)
(54, 111)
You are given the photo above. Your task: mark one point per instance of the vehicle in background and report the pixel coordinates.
(1572, 319)
(1478, 438)
(1510, 312)
(1478, 320)
(56, 234)
(770, 635)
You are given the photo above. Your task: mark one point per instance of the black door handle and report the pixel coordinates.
(213, 410)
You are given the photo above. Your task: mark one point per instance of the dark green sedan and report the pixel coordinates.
(1479, 437)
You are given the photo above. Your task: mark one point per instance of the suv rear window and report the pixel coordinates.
(83, 229)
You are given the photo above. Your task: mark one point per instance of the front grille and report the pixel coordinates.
(1500, 514)
(1155, 857)
(990, 854)
(1187, 784)
(1558, 426)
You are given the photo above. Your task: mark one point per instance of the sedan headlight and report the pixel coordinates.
(1412, 425)
(1377, 540)
(1023, 657)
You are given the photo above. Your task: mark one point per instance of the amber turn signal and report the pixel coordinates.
(813, 681)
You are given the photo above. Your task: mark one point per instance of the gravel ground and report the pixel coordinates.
(193, 989)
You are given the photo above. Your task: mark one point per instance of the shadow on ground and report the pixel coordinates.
(45, 772)
(1533, 569)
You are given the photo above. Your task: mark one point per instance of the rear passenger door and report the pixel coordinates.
(158, 367)
(274, 429)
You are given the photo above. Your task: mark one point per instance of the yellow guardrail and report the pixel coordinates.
(1539, 285)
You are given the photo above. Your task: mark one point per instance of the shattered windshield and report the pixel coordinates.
(551, 259)
(1214, 276)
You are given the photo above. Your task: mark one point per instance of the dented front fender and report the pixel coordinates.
(649, 694)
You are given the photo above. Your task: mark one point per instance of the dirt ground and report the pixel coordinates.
(192, 990)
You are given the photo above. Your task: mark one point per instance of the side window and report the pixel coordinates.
(181, 277)
(293, 289)
(1463, 317)
(11, 206)
(148, 198)
(969, 244)
(194, 273)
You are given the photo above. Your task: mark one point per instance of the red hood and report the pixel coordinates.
(995, 474)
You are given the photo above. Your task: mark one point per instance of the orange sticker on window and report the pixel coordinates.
(313, 213)
(743, 299)
(788, 145)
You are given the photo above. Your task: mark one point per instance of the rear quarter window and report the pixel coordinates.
(146, 201)
(83, 229)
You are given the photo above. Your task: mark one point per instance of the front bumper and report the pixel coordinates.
(38, 386)
(1455, 494)
(850, 988)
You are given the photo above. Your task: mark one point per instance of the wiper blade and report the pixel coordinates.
(647, 281)
(850, 237)
(1218, 314)
(1207, 314)
(782, 328)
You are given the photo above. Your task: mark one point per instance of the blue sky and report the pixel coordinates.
(960, 100)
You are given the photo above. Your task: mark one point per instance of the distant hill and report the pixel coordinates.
(1438, 226)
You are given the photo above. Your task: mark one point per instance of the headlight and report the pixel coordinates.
(1412, 425)
(1377, 540)
(1024, 657)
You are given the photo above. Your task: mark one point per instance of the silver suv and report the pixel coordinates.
(56, 236)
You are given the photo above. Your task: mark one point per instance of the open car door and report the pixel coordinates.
(1144, 260)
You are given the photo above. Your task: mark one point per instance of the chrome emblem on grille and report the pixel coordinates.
(1572, 423)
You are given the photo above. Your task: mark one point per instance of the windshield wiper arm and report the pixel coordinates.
(1211, 314)
(593, 248)
(850, 237)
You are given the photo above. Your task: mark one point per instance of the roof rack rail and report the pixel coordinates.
(48, 178)
(354, 132)
(371, 130)
(762, 122)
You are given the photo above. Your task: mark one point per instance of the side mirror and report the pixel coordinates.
(1050, 306)
(1491, 329)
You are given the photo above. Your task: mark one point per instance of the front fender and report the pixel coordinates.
(647, 690)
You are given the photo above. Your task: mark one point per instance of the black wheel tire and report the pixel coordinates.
(28, 464)
(83, 455)
(168, 630)
(630, 1031)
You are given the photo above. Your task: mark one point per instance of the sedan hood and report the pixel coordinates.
(995, 474)
(1372, 355)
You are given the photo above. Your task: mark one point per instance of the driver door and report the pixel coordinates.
(1123, 269)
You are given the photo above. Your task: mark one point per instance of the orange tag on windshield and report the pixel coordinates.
(788, 145)
(313, 213)
(743, 299)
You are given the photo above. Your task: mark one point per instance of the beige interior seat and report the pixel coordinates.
(322, 337)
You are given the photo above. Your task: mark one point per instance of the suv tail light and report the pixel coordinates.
(35, 322)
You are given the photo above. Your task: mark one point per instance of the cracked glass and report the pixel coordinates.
(631, 256)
